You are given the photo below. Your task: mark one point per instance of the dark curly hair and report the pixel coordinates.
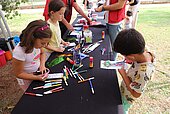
(129, 41)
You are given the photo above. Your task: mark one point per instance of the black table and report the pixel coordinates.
(78, 98)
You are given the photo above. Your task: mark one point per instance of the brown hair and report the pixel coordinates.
(37, 29)
(55, 5)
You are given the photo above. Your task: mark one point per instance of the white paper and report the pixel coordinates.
(72, 44)
(111, 65)
(55, 75)
(75, 33)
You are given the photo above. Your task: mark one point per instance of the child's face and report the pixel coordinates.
(39, 43)
(130, 57)
(59, 15)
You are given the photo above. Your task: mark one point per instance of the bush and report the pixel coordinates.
(10, 7)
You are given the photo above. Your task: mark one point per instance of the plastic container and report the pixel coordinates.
(16, 39)
(8, 55)
(88, 36)
(2, 59)
(76, 58)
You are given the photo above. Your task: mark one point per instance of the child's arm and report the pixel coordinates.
(131, 2)
(65, 43)
(18, 67)
(128, 82)
(68, 25)
(42, 60)
(59, 49)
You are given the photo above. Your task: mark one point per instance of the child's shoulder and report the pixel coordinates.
(18, 48)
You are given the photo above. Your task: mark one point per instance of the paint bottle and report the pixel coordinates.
(91, 62)
(70, 61)
(103, 35)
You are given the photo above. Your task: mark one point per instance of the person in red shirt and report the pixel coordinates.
(115, 14)
(65, 24)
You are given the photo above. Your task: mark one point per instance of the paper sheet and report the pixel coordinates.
(107, 64)
(55, 75)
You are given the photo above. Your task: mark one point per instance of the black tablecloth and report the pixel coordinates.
(78, 98)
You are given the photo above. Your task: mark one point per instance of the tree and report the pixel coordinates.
(10, 7)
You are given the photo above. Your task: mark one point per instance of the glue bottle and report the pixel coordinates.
(70, 61)
(76, 57)
(91, 62)
(103, 35)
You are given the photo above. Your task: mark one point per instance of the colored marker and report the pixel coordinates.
(86, 80)
(103, 50)
(51, 91)
(65, 80)
(78, 67)
(58, 80)
(91, 86)
(82, 71)
(72, 73)
(81, 77)
(33, 94)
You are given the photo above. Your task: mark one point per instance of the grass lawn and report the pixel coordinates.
(154, 24)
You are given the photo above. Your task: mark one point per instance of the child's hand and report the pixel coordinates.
(99, 9)
(70, 27)
(61, 49)
(66, 43)
(42, 69)
(44, 76)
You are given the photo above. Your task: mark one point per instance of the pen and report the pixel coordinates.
(58, 80)
(78, 67)
(81, 77)
(65, 80)
(103, 50)
(91, 86)
(51, 91)
(86, 80)
(69, 72)
(72, 73)
(82, 71)
(33, 94)
(78, 77)
(48, 85)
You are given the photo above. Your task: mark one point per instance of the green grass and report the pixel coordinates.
(17, 24)
(154, 24)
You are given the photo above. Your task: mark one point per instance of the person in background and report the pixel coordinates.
(65, 24)
(131, 44)
(28, 55)
(128, 20)
(134, 7)
(115, 14)
(56, 9)
(86, 3)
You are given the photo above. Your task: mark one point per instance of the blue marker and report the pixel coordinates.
(91, 86)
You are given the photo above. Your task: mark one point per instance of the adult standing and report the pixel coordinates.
(115, 14)
(134, 7)
(65, 24)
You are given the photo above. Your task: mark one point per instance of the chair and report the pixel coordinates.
(4, 30)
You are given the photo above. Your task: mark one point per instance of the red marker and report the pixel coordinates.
(33, 94)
